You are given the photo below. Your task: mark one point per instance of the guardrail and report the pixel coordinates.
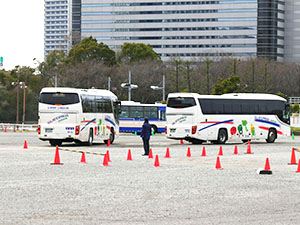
(5, 127)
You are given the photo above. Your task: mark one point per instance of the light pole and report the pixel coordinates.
(19, 85)
(18, 88)
(23, 85)
(129, 86)
(161, 88)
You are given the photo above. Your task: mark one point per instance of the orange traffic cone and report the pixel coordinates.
(221, 151)
(108, 142)
(83, 158)
(218, 164)
(267, 165)
(156, 162)
(181, 141)
(129, 155)
(293, 158)
(203, 151)
(298, 169)
(249, 148)
(56, 158)
(150, 154)
(167, 153)
(108, 157)
(188, 154)
(105, 160)
(25, 145)
(235, 151)
(267, 169)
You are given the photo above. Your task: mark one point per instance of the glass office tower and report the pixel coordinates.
(189, 29)
(292, 31)
(57, 25)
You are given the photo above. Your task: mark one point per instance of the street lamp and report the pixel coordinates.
(129, 86)
(161, 88)
(20, 85)
(23, 85)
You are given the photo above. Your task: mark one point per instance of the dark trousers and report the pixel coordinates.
(146, 146)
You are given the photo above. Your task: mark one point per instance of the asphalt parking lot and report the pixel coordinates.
(183, 190)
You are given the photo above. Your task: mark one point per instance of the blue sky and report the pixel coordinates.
(21, 32)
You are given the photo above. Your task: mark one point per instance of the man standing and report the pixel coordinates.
(145, 135)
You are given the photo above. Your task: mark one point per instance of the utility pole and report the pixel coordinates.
(129, 88)
(108, 85)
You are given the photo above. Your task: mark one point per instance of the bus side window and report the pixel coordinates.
(124, 112)
(151, 112)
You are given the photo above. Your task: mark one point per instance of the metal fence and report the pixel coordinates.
(5, 127)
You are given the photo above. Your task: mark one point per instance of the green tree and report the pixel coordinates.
(90, 49)
(295, 108)
(51, 67)
(133, 52)
(229, 85)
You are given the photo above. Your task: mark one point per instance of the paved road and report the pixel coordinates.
(181, 191)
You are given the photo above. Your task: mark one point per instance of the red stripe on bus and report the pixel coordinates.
(267, 128)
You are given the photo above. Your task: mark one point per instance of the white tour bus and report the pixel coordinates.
(79, 115)
(133, 114)
(218, 118)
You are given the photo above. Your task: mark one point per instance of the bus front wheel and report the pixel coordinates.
(111, 137)
(154, 128)
(222, 136)
(271, 136)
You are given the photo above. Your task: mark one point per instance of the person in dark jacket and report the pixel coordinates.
(145, 135)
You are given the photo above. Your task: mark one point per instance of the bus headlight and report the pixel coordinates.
(77, 129)
(194, 129)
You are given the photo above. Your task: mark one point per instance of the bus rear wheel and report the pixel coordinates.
(222, 136)
(271, 136)
(55, 142)
(91, 138)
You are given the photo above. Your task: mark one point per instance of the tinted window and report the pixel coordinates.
(136, 112)
(181, 102)
(95, 104)
(151, 112)
(244, 106)
(59, 98)
(124, 112)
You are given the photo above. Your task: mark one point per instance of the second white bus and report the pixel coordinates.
(79, 115)
(242, 116)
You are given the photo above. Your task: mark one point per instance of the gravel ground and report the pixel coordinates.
(181, 191)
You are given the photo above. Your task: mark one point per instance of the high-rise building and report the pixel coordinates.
(174, 28)
(57, 26)
(292, 31)
(238, 28)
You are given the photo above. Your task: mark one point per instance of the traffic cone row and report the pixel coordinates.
(267, 169)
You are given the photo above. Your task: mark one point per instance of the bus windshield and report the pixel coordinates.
(181, 102)
(59, 98)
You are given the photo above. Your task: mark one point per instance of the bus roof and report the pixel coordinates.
(100, 92)
(132, 103)
(253, 96)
